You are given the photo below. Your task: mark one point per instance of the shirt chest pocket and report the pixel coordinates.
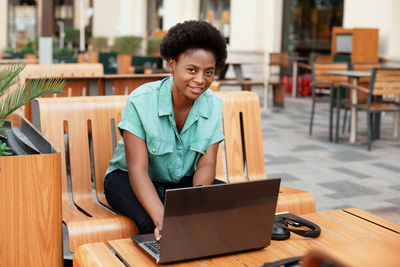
(158, 148)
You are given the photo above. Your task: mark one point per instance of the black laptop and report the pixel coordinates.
(214, 220)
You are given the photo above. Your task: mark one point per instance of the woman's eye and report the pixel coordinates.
(209, 73)
(191, 70)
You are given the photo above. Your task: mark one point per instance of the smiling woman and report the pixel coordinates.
(171, 128)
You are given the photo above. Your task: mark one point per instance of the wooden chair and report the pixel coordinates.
(280, 60)
(241, 155)
(82, 128)
(324, 84)
(384, 81)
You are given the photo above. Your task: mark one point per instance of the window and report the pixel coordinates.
(307, 25)
(217, 13)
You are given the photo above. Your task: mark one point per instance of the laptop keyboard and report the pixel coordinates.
(154, 246)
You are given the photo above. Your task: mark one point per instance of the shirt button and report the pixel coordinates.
(154, 150)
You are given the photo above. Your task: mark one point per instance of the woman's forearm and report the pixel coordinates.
(204, 175)
(147, 195)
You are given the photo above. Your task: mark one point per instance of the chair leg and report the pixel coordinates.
(344, 120)
(312, 110)
(369, 126)
(331, 116)
(338, 104)
(349, 124)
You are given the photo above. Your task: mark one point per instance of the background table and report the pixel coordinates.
(350, 227)
(354, 77)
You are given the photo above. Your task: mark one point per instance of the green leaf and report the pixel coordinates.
(5, 150)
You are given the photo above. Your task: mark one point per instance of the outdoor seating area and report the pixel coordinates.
(117, 110)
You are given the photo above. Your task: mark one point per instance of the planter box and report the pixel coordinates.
(109, 61)
(30, 201)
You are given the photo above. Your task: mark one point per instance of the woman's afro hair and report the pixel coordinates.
(194, 34)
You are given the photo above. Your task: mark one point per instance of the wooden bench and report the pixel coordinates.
(241, 155)
(83, 129)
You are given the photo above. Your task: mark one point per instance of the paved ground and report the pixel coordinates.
(339, 175)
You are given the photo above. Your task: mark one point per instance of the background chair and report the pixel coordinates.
(363, 81)
(278, 66)
(324, 84)
(384, 81)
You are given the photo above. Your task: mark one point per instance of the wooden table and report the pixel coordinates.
(115, 84)
(237, 68)
(354, 77)
(340, 228)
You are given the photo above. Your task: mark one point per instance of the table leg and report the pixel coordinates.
(396, 118)
(237, 68)
(294, 78)
(354, 101)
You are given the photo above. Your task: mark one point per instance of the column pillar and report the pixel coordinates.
(46, 29)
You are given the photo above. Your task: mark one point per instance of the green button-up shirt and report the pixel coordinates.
(148, 114)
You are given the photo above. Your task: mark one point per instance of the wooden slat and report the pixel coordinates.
(320, 75)
(245, 104)
(374, 219)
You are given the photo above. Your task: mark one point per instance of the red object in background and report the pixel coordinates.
(303, 85)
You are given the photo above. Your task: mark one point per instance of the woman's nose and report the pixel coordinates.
(199, 77)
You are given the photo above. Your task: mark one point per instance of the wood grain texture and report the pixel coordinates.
(342, 234)
(86, 255)
(243, 136)
(30, 202)
(320, 76)
(86, 124)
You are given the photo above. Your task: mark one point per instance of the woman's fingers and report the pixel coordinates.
(157, 233)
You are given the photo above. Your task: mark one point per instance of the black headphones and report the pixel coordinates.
(281, 230)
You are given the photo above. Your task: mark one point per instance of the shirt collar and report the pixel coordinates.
(200, 105)
(165, 97)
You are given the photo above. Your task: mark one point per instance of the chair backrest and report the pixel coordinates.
(364, 66)
(279, 59)
(385, 81)
(319, 74)
(324, 58)
(241, 155)
(85, 131)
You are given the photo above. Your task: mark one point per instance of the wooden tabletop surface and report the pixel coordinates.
(351, 227)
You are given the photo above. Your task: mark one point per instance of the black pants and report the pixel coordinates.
(121, 197)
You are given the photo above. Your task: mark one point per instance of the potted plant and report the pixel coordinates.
(30, 195)
(97, 44)
(64, 55)
(126, 46)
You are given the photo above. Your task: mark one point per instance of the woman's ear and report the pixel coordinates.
(171, 65)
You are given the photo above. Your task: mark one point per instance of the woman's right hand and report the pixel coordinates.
(158, 232)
